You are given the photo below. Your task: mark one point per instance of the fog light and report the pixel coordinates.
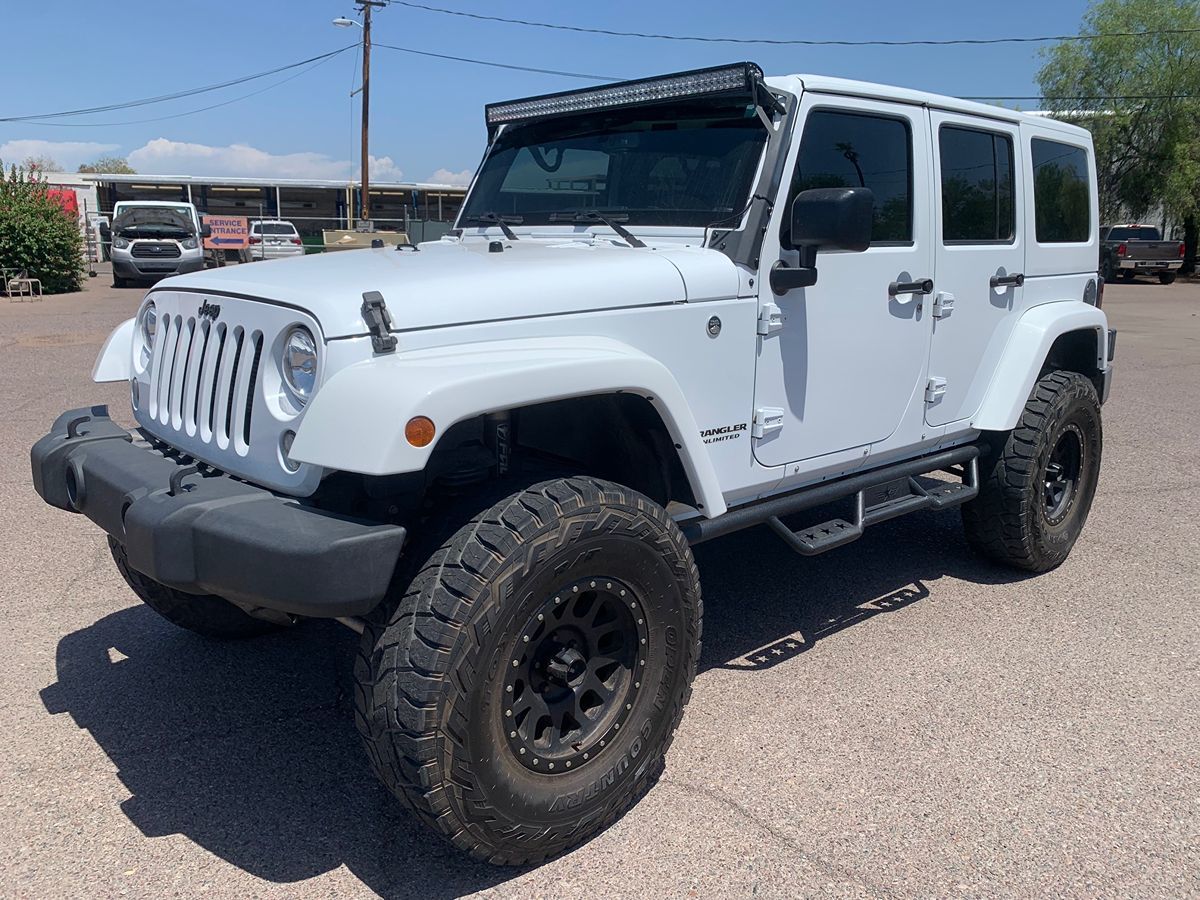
(419, 431)
(285, 451)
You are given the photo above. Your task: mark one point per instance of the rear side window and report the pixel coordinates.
(1134, 233)
(1061, 193)
(844, 149)
(978, 180)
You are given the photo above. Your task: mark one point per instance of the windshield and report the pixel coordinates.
(153, 221)
(1134, 233)
(683, 165)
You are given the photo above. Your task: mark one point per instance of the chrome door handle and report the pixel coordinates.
(924, 286)
(1007, 280)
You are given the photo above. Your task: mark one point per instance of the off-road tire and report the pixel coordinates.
(1009, 521)
(205, 614)
(434, 671)
(1166, 277)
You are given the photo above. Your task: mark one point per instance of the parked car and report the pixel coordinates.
(272, 239)
(151, 239)
(1129, 250)
(670, 309)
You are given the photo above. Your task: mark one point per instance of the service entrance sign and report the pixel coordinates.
(228, 232)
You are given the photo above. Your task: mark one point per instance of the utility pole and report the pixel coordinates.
(365, 7)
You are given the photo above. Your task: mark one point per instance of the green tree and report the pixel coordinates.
(108, 165)
(37, 235)
(1146, 137)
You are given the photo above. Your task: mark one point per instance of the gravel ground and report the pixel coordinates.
(932, 726)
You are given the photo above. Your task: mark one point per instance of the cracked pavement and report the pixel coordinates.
(895, 718)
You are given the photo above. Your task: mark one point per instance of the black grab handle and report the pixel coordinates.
(1007, 280)
(924, 286)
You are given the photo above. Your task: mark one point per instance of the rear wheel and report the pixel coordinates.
(1166, 277)
(523, 693)
(1127, 274)
(1037, 484)
(205, 614)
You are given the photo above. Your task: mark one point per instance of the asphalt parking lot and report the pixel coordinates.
(924, 724)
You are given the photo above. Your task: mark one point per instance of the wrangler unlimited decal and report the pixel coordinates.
(722, 433)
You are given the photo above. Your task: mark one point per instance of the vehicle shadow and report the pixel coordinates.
(764, 605)
(249, 748)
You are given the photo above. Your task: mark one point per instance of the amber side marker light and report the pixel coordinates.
(419, 431)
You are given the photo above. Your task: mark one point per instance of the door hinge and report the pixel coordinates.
(943, 304)
(935, 389)
(766, 420)
(770, 319)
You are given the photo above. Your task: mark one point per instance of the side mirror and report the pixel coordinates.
(825, 219)
(205, 230)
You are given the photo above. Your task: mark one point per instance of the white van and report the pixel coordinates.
(154, 238)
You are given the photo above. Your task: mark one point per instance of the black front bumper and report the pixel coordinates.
(207, 533)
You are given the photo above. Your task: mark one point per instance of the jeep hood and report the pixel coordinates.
(453, 282)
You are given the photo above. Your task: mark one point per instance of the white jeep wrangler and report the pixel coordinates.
(671, 308)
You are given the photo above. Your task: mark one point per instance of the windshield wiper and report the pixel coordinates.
(490, 218)
(612, 220)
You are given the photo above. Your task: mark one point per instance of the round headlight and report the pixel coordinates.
(149, 323)
(300, 362)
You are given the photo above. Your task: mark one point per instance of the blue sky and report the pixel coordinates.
(426, 114)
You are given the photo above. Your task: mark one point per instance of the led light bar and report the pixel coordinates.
(741, 79)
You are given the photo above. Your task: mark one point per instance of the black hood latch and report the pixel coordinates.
(379, 322)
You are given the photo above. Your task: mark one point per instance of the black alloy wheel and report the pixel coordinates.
(1061, 477)
(574, 674)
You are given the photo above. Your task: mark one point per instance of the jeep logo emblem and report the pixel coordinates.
(210, 310)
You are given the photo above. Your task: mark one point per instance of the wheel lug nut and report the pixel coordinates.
(525, 639)
(593, 584)
(522, 751)
(509, 689)
(568, 765)
(508, 712)
(512, 734)
(585, 756)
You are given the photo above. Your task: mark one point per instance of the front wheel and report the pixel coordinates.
(523, 693)
(1036, 485)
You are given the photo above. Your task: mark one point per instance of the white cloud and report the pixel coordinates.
(445, 176)
(166, 157)
(69, 154)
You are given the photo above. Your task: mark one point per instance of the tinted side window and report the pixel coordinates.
(977, 185)
(843, 149)
(1061, 195)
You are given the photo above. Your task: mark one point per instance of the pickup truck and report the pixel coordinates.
(670, 309)
(1131, 250)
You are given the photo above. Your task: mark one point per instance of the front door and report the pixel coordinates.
(847, 367)
(979, 258)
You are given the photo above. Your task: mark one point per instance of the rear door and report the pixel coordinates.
(979, 258)
(847, 366)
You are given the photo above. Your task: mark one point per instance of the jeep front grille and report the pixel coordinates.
(203, 378)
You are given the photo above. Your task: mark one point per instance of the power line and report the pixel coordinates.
(190, 112)
(498, 65)
(803, 42)
(177, 95)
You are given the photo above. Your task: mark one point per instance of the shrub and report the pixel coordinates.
(37, 235)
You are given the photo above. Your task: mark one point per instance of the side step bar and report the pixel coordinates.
(880, 494)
